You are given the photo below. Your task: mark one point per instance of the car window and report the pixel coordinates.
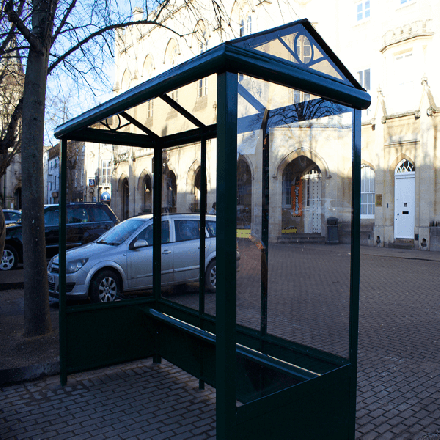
(211, 227)
(75, 214)
(101, 215)
(165, 231)
(7, 215)
(119, 233)
(187, 230)
(51, 217)
(14, 216)
(147, 233)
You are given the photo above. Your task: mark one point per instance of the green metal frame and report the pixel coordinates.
(318, 395)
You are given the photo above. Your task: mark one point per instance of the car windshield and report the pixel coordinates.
(119, 233)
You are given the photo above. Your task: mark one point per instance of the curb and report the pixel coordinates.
(14, 376)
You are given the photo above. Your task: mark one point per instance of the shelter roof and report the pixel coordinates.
(292, 55)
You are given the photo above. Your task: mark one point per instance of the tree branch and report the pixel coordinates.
(64, 20)
(102, 31)
(14, 17)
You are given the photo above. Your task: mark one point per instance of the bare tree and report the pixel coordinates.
(76, 36)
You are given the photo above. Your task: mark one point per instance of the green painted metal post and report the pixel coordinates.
(355, 265)
(202, 226)
(202, 272)
(157, 233)
(264, 227)
(62, 263)
(226, 263)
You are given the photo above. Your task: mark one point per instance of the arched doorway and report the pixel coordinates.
(169, 190)
(147, 191)
(404, 199)
(244, 194)
(17, 198)
(301, 198)
(125, 199)
(195, 205)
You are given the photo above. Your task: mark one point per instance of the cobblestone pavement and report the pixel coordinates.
(399, 360)
(141, 400)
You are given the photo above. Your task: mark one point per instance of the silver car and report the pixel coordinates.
(122, 258)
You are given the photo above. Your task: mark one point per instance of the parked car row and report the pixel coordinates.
(12, 215)
(85, 223)
(121, 260)
(106, 258)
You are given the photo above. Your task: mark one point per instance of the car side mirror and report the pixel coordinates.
(140, 244)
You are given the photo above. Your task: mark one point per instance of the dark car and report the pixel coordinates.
(85, 223)
(12, 215)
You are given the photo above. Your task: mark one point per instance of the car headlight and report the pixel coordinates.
(75, 265)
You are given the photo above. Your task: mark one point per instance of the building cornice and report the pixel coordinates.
(416, 29)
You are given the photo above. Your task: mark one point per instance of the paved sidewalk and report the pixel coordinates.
(134, 401)
(398, 374)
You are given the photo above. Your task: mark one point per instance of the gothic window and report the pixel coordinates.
(171, 53)
(202, 84)
(246, 26)
(405, 166)
(303, 49)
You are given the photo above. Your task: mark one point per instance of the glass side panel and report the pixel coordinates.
(296, 45)
(185, 163)
(194, 105)
(110, 253)
(294, 211)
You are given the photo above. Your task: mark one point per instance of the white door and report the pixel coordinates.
(312, 202)
(404, 205)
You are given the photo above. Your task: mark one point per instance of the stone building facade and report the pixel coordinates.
(389, 46)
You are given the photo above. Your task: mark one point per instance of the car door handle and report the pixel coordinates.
(165, 252)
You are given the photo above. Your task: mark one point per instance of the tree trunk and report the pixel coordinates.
(36, 294)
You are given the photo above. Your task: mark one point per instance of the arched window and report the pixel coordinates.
(241, 28)
(125, 199)
(303, 49)
(246, 26)
(367, 192)
(405, 166)
(202, 87)
(126, 79)
(148, 191)
(249, 25)
(244, 193)
(171, 52)
(170, 183)
(148, 67)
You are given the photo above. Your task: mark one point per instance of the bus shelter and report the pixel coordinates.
(279, 152)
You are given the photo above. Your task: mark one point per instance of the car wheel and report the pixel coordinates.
(105, 287)
(9, 258)
(211, 276)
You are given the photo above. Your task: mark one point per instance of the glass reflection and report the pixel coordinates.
(294, 231)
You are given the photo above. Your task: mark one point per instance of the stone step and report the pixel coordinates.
(301, 238)
(401, 243)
